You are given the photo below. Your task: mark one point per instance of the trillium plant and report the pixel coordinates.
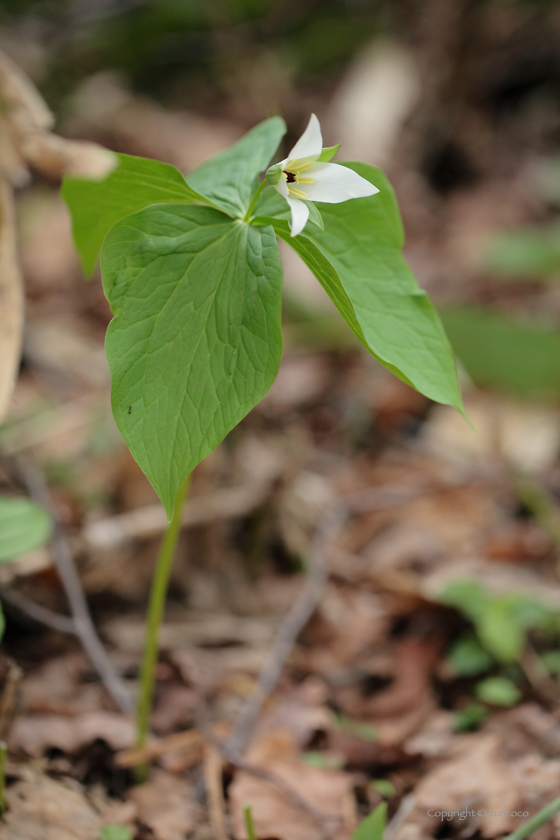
(191, 269)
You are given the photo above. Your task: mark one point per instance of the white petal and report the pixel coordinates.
(335, 183)
(282, 187)
(310, 144)
(300, 215)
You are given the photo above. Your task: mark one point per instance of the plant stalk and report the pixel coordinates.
(254, 200)
(535, 822)
(158, 594)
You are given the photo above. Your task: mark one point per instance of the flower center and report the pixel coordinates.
(294, 176)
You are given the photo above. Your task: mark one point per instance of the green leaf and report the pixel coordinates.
(373, 827)
(505, 353)
(498, 691)
(525, 253)
(470, 718)
(196, 339)
(115, 832)
(551, 661)
(96, 206)
(229, 179)
(24, 526)
(328, 153)
(384, 787)
(500, 631)
(358, 260)
(468, 658)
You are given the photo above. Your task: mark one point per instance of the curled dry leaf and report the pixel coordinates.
(11, 298)
(275, 814)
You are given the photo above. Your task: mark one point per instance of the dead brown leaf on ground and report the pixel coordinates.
(36, 733)
(40, 808)
(275, 814)
(167, 806)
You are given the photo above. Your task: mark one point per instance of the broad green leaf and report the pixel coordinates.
(196, 339)
(505, 353)
(498, 691)
(229, 179)
(96, 206)
(373, 827)
(362, 246)
(24, 526)
(331, 283)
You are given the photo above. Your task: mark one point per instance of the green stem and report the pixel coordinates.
(254, 200)
(249, 825)
(535, 822)
(3, 757)
(156, 607)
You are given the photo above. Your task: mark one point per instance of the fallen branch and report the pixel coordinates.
(151, 521)
(307, 601)
(82, 625)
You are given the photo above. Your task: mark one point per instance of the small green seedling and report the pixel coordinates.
(115, 832)
(373, 827)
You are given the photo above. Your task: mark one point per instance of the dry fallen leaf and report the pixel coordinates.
(35, 733)
(40, 808)
(484, 776)
(275, 814)
(167, 806)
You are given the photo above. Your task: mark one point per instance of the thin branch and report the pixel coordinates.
(308, 599)
(37, 612)
(289, 630)
(237, 760)
(82, 624)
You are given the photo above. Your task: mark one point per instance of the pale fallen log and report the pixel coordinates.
(150, 521)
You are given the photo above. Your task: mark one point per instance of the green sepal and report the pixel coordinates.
(274, 173)
(314, 215)
(328, 153)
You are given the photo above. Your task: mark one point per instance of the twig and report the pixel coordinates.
(310, 595)
(289, 630)
(237, 760)
(213, 779)
(8, 700)
(37, 612)
(150, 521)
(82, 624)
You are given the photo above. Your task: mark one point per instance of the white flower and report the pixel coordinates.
(300, 178)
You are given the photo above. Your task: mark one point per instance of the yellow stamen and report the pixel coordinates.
(293, 166)
(297, 193)
(301, 180)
